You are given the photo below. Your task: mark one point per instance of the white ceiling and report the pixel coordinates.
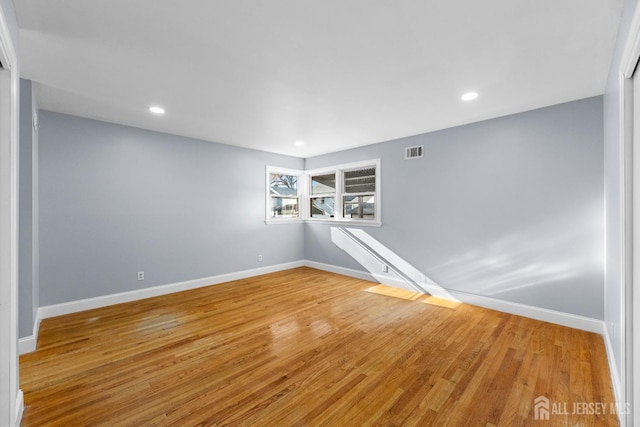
(333, 73)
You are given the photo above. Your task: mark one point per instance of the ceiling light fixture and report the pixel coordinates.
(156, 110)
(469, 96)
(299, 143)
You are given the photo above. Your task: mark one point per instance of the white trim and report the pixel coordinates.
(344, 167)
(363, 275)
(628, 388)
(285, 221)
(339, 170)
(19, 409)
(106, 300)
(299, 194)
(613, 369)
(631, 51)
(304, 194)
(625, 107)
(625, 141)
(9, 133)
(546, 315)
(29, 344)
(344, 222)
(543, 314)
(35, 216)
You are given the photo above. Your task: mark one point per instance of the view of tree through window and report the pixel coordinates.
(284, 196)
(346, 193)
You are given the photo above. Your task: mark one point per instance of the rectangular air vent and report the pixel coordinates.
(413, 152)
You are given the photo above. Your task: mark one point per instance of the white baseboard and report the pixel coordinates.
(618, 392)
(19, 408)
(363, 275)
(106, 300)
(543, 314)
(28, 344)
(546, 315)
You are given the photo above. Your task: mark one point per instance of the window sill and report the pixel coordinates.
(360, 223)
(285, 221)
(342, 222)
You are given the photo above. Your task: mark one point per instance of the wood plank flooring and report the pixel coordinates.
(307, 347)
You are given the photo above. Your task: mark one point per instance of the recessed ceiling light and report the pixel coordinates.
(299, 143)
(469, 96)
(156, 110)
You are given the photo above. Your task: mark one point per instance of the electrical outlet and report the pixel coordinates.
(385, 268)
(259, 258)
(140, 275)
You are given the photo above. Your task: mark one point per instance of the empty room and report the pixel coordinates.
(329, 213)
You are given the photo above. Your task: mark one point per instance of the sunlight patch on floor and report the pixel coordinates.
(440, 302)
(391, 291)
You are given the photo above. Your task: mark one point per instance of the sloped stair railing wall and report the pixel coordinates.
(383, 264)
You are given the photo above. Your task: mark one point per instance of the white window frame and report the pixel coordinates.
(339, 170)
(310, 196)
(301, 184)
(344, 192)
(305, 195)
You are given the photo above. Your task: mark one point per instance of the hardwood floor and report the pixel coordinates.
(306, 347)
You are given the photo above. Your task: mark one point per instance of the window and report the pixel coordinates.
(283, 199)
(342, 193)
(323, 195)
(358, 200)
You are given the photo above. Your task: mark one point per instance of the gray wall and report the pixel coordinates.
(510, 208)
(116, 200)
(612, 191)
(27, 227)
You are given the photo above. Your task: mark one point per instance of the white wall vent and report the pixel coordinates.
(413, 152)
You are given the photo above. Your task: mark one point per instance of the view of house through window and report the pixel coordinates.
(342, 193)
(284, 196)
(323, 191)
(359, 193)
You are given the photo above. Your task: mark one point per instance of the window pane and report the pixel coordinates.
(360, 181)
(323, 184)
(361, 207)
(284, 185)
(284, 207)
(322, 207)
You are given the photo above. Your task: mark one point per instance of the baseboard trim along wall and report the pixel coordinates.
(28, 344)
(613, 370)
(543, 314)
(19, 410)
(363, 275)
